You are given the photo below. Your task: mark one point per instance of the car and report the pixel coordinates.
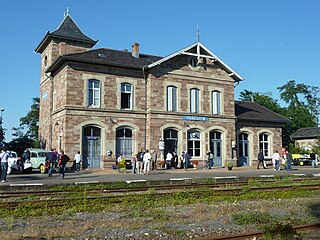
(38, 158)
(16, 163)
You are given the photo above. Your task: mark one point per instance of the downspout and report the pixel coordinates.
(51, 106)
(145, 105)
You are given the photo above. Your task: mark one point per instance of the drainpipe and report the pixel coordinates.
(145, 104)
(48, 75)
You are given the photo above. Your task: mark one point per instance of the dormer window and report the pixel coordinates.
(193, 62)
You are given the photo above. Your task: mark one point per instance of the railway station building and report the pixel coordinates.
(104, 102)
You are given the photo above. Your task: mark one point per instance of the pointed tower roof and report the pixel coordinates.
(67, 31)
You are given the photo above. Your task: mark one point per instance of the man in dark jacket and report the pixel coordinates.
(63, 160)
(260, 159)
(50, 160)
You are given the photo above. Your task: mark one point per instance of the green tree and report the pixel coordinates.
(26, 135)
(31, 121)
(264, 99)
(303, 99)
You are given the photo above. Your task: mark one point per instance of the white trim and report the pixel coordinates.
(198, 45)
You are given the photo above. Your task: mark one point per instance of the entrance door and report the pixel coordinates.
(216, 147)
(91, 147)
(243, 149)
(124, 143)
(170, 141)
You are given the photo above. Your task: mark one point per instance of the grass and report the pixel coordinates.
(159, 211)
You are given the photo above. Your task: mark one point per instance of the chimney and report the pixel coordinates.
(135, 50)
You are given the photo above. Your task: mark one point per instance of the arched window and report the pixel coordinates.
(126, 96)
(264, 144)
(194, 143)
(171, 98)
(94, 93)
(194, 100)
(216, 102)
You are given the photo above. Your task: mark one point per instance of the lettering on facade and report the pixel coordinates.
(195, 118)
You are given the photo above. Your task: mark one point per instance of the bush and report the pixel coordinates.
(279, 231)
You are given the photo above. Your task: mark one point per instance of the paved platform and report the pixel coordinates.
(93, 176)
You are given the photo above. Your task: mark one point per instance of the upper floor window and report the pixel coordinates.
(126, 96)
(171, 98)
(194, 100)
(216, 102)
(264, 144)
(94, 93)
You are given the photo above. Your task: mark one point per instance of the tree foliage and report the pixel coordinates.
(26, 135)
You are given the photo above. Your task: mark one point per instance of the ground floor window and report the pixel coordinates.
(194, 143)
(264, 144)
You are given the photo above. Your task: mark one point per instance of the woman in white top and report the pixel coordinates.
(147, 162)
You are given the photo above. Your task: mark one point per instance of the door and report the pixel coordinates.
(243, 149)
(216, 147)
(170, 141)
(124, 143)
(91, 147)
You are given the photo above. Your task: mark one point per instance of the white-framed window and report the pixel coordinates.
(194, 143)
(194, 100)
(264, 144)
(171, 99)
(94, 93)
(126, 96)
(216, 102)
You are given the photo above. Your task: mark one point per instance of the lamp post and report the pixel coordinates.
(161, 148)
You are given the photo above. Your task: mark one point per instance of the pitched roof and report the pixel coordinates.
(105, 56)
(201, 51)
(306, 133)
(254, 112)
(67, 30)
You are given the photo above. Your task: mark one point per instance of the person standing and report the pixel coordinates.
(288, 161)
(210, 160)
(4, 165)
(313, 159)
(175, 159)
(146, 162)
(50, 160)
(77, 160)
(154, 157)
(168, 160)
(276, 159)
(140, 161)
(261, 159)
(133, 163)
(63, 160)
(186, 160)
(181, 160)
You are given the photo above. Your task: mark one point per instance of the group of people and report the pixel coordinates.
(60, 160)
(145, 161)
(285, 160)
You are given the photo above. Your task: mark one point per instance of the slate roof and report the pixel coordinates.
(105, 56)
(67, 30)
(306, 133)
(251, 111)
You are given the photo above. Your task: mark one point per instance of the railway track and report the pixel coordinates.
(11, 200)
(253, 235)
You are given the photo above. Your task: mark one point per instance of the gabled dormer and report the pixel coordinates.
(68, 38)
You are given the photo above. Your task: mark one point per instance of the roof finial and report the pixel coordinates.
(66, 13)
(198, 33)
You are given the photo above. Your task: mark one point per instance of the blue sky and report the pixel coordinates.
(268, 42)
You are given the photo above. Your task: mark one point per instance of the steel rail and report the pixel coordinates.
(242, 236)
